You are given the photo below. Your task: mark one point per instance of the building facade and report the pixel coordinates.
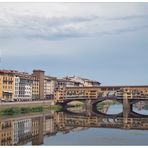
(83, 81)
(7, 85)
(35, 88)
(39, 76)
(61, 83)
(16, 88)
(23, 86)
(49, 87)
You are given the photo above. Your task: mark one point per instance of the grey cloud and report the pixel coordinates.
(129, 17)
(55, 28)
(52, 21)
(122, 30)
(59, 35)
(42, 27)
(131, 29)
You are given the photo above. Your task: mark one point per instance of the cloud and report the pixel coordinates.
(131, 29)
(45, 28)
(123, 30)
(24, 23)
(129, 17)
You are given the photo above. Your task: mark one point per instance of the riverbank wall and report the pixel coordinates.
(4, 105)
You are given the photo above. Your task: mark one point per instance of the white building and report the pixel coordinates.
(83, 81)
(67, 83)
(23, 87)
(16, 87)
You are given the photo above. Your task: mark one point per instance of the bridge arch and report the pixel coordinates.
(96, 111)
(134, 101)
(101, 99)
(138, 115)
(66, 102)
(99, 113)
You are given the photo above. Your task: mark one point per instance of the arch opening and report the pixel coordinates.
(75, 106)
(109, 107)
(141, 107)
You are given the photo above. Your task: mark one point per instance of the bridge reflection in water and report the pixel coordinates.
(32, 128)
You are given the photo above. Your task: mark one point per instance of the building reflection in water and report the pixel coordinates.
(20, 130)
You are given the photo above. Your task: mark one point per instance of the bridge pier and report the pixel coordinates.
(127, 108)
(88, 107)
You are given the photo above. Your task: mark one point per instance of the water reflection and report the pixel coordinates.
(33, 128)
(141, 107)
(110, 107)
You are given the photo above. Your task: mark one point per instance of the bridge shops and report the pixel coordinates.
(131, 91)
(77, 93)
(65, 93)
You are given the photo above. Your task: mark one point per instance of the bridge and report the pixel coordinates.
(91, 96)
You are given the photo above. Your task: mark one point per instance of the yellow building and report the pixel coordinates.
(35, 87)
(7, 86)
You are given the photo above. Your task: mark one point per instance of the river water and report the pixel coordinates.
(110, 127)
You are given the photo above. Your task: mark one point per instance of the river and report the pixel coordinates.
(78, 128)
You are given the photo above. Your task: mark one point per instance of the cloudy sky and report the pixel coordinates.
(107, 42)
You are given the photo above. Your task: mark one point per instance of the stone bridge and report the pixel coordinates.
(91, 96)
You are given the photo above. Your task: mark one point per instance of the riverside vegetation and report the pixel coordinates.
(21, 110)
(25, 110)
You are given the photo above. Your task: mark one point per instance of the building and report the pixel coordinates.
(59, 94)
(39, 83)
(83, 81)
(16, 92)
(24, 82)
(35, 88)
(43, 86)
(49, 87)
(7, 87)
(61, 83)
(15, 86)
